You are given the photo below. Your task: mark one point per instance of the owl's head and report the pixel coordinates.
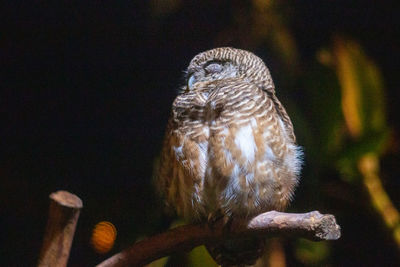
(226, 62)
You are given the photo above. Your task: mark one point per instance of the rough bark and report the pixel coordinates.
(63, 216)
(312, 225)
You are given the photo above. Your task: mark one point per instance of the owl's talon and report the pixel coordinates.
(227, 223)
(213, 218)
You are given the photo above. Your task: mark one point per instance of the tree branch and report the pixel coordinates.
(63, 216)
(312, 225)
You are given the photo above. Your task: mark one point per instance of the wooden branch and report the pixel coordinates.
(312, 225)
(63, 217)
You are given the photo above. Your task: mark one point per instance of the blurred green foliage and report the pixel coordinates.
(199, 257)
(312, 253)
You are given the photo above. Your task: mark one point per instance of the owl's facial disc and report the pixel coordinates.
(211, 71)
(213, 67)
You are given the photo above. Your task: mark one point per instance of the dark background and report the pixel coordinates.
(86, 90)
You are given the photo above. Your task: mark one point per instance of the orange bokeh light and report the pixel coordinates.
(103, 237)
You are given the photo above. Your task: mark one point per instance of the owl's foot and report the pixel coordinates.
(217, 218)
(214, 217)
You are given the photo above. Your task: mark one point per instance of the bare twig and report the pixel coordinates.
(311, 225)
(63, 217)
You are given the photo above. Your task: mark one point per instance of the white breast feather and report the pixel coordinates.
(245, 142)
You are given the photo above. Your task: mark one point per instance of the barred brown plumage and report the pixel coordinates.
(229, 148)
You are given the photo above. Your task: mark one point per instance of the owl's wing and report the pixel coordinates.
(182, 165)
(163, 172)
(285, 117)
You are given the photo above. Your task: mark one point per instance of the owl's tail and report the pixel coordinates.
(237, 252)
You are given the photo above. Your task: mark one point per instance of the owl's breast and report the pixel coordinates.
(232, 153)
(252, 164)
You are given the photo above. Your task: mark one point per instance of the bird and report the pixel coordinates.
(229, 149)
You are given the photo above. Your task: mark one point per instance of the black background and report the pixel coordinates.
(86, 90)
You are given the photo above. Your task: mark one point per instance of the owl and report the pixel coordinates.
(229, 149)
